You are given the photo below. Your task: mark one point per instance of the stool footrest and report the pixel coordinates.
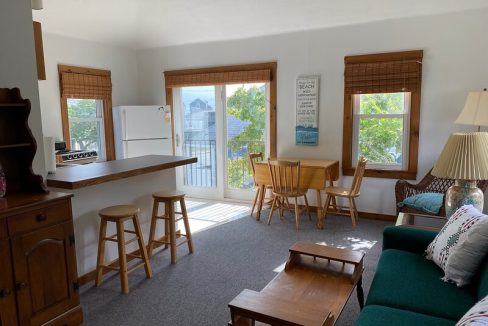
(133, 268)
(135, 256)
(114, 268)
(164, 217)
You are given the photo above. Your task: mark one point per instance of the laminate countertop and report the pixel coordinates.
(79, 176)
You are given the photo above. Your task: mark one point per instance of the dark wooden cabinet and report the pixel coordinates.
(8, 313)
(40, 257)
(38, 275)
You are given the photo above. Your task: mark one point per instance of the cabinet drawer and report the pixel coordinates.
(38, 218)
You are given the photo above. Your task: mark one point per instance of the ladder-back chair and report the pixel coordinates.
(253, 158)
(285, 177)
(349, 193)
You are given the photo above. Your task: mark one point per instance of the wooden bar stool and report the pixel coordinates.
(170, 234)
(119, 214)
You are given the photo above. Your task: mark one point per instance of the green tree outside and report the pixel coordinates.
(247, 105)
(83, 134)
(380, 137)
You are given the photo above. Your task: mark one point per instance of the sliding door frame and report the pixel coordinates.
(272, 66)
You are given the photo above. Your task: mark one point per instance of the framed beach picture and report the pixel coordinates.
(307, 110)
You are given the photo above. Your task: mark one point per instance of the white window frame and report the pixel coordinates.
(101, 131)
(357, 116)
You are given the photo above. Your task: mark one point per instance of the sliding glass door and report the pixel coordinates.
(220, 125)
(245, 132)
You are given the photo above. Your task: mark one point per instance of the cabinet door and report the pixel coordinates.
(45, 273)
(8, 312)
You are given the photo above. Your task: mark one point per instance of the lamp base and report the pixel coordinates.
(463, 192)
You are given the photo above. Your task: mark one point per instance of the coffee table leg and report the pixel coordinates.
(360, 292)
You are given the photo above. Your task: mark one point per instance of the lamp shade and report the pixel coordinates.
(465, 157)
(36, 4)
(475, 111)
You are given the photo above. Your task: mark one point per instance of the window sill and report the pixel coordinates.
(387, 174)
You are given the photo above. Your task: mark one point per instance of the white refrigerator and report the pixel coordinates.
(142, 130)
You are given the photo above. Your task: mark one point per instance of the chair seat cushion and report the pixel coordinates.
(386, 316)
(409, 281)
(429, 202)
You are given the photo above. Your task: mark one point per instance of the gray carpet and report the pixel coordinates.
(228, 258)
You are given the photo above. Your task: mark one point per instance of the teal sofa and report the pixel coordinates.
(407, 288)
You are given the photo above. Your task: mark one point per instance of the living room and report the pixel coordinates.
(141, 44)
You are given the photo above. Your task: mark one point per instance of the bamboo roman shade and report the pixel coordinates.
(85, 85)
(217, 78)
(383, 73)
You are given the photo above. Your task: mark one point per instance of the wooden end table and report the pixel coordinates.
(411, 220)
(312, 290)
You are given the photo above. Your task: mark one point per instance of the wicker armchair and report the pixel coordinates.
(429, 183)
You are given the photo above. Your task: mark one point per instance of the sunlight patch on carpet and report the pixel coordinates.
(204, 214)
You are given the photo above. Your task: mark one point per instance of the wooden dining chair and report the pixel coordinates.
(253, 158)
(349, 193)
(285, 178)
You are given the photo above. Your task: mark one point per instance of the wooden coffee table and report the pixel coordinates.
(312, 289)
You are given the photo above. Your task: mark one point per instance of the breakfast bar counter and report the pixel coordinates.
(99, 185)
(78, 176)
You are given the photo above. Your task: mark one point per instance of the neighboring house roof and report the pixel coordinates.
(199, 105)
(234, 127)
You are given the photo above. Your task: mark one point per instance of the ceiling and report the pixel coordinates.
(141, 24)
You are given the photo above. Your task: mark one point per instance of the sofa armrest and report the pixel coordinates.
(407, 239)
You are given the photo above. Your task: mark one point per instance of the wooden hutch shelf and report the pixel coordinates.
(37, 244)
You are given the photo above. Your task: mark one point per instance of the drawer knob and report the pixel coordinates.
(41, 217)
(21, 285)
(5, 293)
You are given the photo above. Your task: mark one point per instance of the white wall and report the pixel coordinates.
(18, 64)
(70, 51)
(455, 53)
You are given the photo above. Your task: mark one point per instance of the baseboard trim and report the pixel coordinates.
(377, 216)
(364, 215)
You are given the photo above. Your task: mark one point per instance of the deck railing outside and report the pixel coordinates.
(204, 172)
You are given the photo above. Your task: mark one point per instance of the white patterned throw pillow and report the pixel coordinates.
(477, 315)
(461, 245)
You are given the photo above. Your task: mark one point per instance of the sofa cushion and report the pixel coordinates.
(477, 315)
(407, 239)
(386, 316)
(408, 281)
(482, 280)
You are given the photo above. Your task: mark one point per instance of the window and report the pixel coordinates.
(381, 129)
(86, 128)
(381, 113)
(86, 110)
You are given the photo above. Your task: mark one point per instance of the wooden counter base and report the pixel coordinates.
(79, 176)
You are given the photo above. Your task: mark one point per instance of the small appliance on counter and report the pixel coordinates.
(73, 157)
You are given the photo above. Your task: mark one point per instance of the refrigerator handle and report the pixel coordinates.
(124, 119)
(126, 148)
